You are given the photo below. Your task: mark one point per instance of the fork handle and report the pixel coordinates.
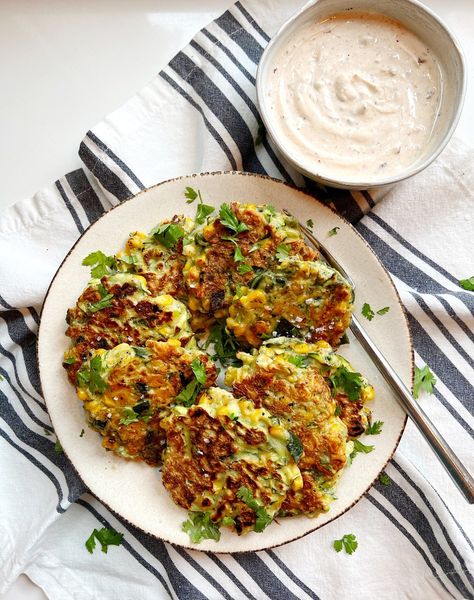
(460, 475)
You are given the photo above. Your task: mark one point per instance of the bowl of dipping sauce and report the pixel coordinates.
(361, 94)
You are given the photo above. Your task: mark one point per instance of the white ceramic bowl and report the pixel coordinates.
(426, 26)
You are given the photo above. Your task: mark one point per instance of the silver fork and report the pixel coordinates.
(460, 475)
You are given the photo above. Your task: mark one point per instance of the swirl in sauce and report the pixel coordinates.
(354, 97)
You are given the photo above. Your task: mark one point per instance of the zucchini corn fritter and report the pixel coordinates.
(296, 382)
(127, 392)
(221, 445)
(277, 443)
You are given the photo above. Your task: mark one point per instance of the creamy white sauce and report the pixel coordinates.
(354, 97)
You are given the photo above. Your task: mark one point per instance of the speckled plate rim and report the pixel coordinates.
(208, 546)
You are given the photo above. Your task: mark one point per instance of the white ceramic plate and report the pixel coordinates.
(134, 490)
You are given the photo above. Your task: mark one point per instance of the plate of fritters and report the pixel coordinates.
(205, 344)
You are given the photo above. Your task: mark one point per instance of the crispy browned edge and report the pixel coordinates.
(410, 339)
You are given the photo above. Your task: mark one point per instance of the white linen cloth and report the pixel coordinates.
(198, 115)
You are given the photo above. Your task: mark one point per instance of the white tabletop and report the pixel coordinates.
(66, 64)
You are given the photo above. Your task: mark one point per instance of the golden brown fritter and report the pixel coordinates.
(219, 259)
(218, 447)
(120, 309)
(126, 395)
(302, 299)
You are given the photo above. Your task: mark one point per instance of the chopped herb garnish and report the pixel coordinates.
(333, 231)
(203, 211)
(338, 410)
(295, 447)
(309, 223)
(359, 447)
(228, 522)
(47, 432)
(82, 433)
(225, 344)
(244, 268)
(91, 377)
(348, 541)
(106, 537)
(424, 380)
(100, 304)
(383, 310)
(188, 395)
(467, 284)
(349, 382)
(374, 428)
(58, 448)
(100, 263)
(69, 361)
(228, 218)
(141, 352)
(199, 526)
(385, 479)
(128, 416)
(367, 311)
(199, 371)
(191, 194)
(238, 256)
(168, 234)
(282, 252)
(263, 518)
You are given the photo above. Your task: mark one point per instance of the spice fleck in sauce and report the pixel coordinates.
(354, 97)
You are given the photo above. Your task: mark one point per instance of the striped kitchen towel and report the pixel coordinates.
(199, 114)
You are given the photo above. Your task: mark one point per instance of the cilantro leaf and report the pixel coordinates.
(106, 537)
(228, 218)
(374, 428)
(199, 371)
(383, 310)
(100, 263)
(467, 284)
(244, 268)
(424, 380)
(359, 447)
(295, 447)
(188, 395)
(263, 518)
(385, 479)
(203, 211)
(100, 304)
(309, 223)
(367, 311)
(238, 256)
(58, 448)
(191, 194)
(167, 234)
(92, 377)
(128, 416)
(282, 252)
(349, 542)
(199, 526)
(333, 231)
(225, 344)
(69, 361)
(46, 432)
(349, 382)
